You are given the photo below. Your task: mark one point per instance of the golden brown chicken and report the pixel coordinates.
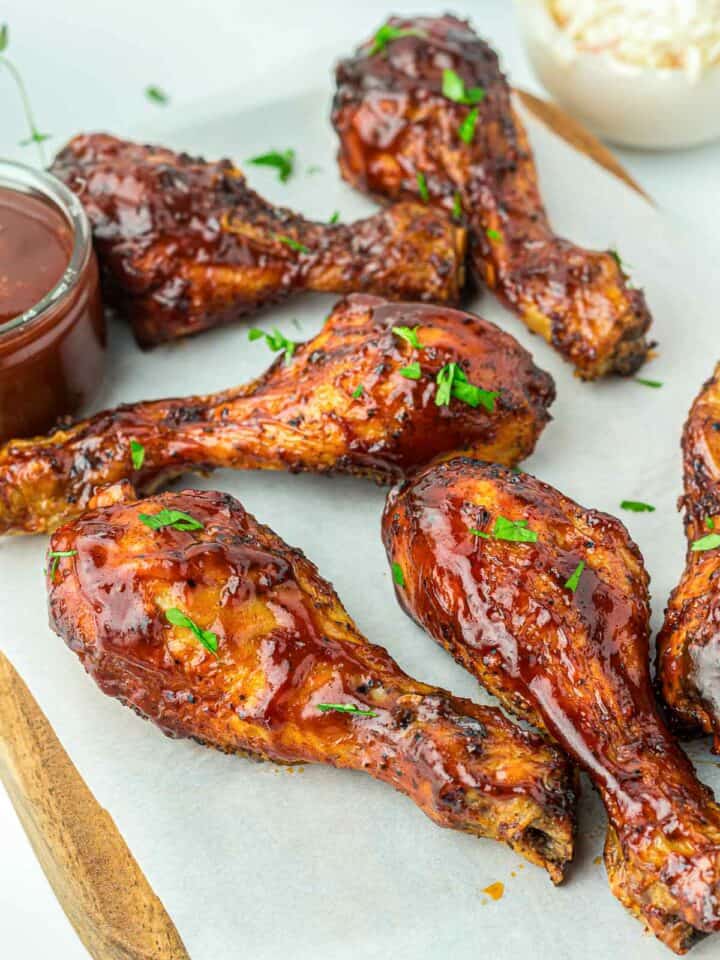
(203, 621)
(185, 245)
(423, 111)
(688, 646)
(383, 388)
(546, 603)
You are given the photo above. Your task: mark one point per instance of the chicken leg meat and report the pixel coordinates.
(425, 112)
(203, 621)
(546, 603)
(382, 389)
(184, 245)
(688, 646)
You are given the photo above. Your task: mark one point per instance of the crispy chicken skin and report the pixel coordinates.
(285, 644)
(573, 663)
(688, 646)
(396, 128)
(308, 414)
(185, 245)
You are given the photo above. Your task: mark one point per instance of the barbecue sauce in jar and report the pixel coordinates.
(52, 335)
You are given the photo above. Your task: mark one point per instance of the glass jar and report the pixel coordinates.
(52, 353)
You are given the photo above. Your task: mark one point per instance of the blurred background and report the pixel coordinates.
(88, 64)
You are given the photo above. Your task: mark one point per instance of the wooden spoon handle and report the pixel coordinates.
(98, 882)
(577, 136)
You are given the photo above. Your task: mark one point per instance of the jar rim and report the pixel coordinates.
(25, 179)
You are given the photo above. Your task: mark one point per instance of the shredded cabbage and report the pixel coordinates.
(666, 34)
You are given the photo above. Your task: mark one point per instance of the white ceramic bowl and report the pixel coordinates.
(628, 105)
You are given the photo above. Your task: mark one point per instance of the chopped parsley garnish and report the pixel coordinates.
(358, 392)
(345, 708)
(457, 206)
(710, 541)
(574, 579)
(516, 531)
(56, 556)
(170, 518)
(293, 244)
(412, 371)
(35, 136)
(275, 340)
(466, 130)
(387, 33)
(655, 384)
(493, 234)
(137, 454)
(422, 187)
(335, 217)
(206, 637)
(637, 506)
(453, 87)
(409, 334)
(157, 95)
(282, 161)
(398, 575)
(452, 382)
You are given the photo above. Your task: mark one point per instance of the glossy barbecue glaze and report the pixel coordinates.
(301, 415)
(394, 123)
(688, 646)
(575, 663)
(185, 245)
(284, 645)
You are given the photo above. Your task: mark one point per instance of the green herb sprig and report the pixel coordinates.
(157, 96)
(453, 382)
(275, 341)
(515, 531)
(410, 334)
(709, 542)
(176, 519)
(283, 161)
(387, 33)
(292, 243)
(56, 556)
(35, 136)
(637, 506)
(398, 575)
(412, 371)
(206, 637)
(573, 580)
(453, 88)
(137, 454)
(466, 130)
(346, 708)
(655, 384)
(422, 187)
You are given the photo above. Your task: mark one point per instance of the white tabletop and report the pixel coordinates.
(86, 64)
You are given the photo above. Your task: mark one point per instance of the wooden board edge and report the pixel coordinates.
(95, 877)
(577, 136)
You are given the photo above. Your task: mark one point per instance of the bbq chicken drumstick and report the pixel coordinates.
(203, 621)
(426, 112)
(382, 389)
(546, 603)
(184, 245)
(688, 646)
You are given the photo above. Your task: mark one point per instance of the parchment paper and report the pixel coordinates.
(262, 862)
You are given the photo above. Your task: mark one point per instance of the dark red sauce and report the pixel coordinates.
(35, 247)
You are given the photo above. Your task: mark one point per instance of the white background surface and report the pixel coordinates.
(86, 66)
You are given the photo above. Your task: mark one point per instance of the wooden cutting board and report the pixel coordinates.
(96, 879)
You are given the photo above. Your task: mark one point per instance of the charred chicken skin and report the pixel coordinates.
(225, 634)
(546, 603)
(688, 646)
(430, 115)
(361, 397)
(184, 245)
